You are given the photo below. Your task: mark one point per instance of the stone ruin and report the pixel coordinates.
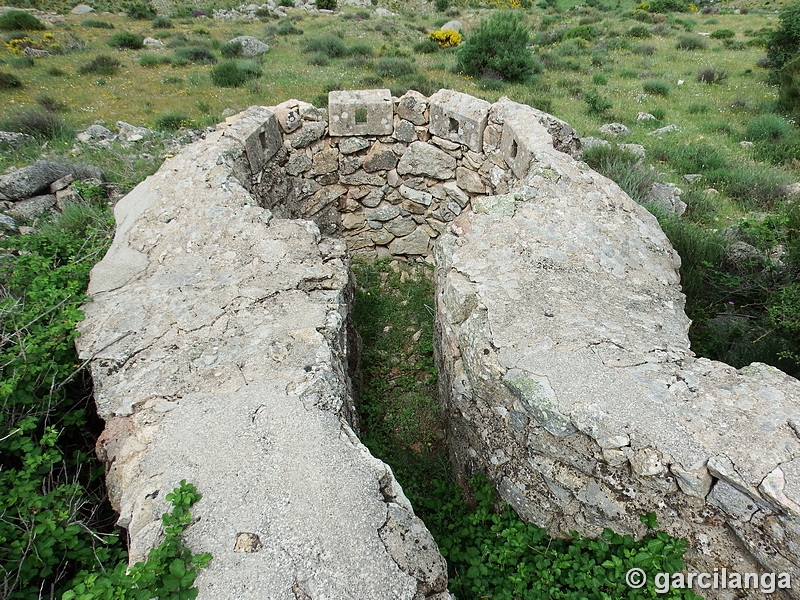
(221, 349)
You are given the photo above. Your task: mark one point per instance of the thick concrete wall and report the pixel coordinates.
(567, 376)
(219, 340)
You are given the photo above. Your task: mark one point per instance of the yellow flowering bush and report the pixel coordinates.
(46, 41)
(693, 8)
(446, 38)
(642, 6)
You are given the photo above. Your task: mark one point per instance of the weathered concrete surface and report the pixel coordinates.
(218, 338)
(568, 378)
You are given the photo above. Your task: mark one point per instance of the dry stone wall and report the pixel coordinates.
(387, 174)
(219, 340)
(567, 376)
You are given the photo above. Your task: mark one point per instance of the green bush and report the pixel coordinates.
(599, 79)
(584, 32)
(691, 42)
(234, 74)
(19, 20)
(9, 81)
(141, 11)
(286, 27)
(329, 44)
(696, 157)
(162, 23)
(51, 104)
(39, 124)
(172, 122)
(769, 128)
(639, 31)
(200, 55)
(126, 40)
(154, 60)
(644, 49)
(667, 6)
(97, 24)
(319, 59)
(101, 65)
(426, 46)
(394, 66)
(231, 49)
(326, 4)
(596, 103)
(623, 167)
(360, 50)
(655, 87)
(723, 34)
(498, 47)
(697, 109)
(712, 75)
(783, 43)
(789, 96)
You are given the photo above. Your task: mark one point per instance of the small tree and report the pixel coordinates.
(783, 44)
(499, 47)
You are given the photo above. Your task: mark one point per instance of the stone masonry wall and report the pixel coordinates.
(218, 337)
(567, 376)
(387, 174)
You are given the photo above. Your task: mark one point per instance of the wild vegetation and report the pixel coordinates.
(725, 73)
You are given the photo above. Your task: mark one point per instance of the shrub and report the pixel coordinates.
(126, 40)
(364, 50)
(659, 113)
(22, 62)
(697, 109)
(97, 24)
(639, 31)
(153, 60)
(394, 66)
(319, 59)
(783, 43)
(596, 103)
(56, 72)
(789, 97)
(141, 11)
(195, 54)
(9, 81)
(426, 47)
(723, 34)
(711, 75)
(162, 23)
(690, 158)
(667, 6)
(599, 79)
(41, 125)
(628, 74)
(231, 49)
(172, 122)
(234, 74)
(51, 104)
(691, 42)
(769, 128)
(644, 49)
(624, 168)
(446, 38)
(15, 20)
(329, 44)
(286, 27)
(326, 4)
(442, 5)
(655, 87)
(101, 65)
(499, 45)
(584, 32)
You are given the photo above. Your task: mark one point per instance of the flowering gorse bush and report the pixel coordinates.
(446, 38)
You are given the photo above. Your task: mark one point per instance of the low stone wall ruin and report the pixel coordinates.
(219, 344)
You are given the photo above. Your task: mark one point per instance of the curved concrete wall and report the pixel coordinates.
(219, 341)
(220, 345)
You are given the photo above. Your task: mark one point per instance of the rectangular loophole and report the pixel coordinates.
(453, 125)
(514, 149)
(361, 115)
(262, 138)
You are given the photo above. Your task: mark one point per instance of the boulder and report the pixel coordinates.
(28, 181)
(614, 129)
(668, 197)
(251, 46)
(452, 25)
(81, 9)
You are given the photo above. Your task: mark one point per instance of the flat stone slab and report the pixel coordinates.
(360, 112)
